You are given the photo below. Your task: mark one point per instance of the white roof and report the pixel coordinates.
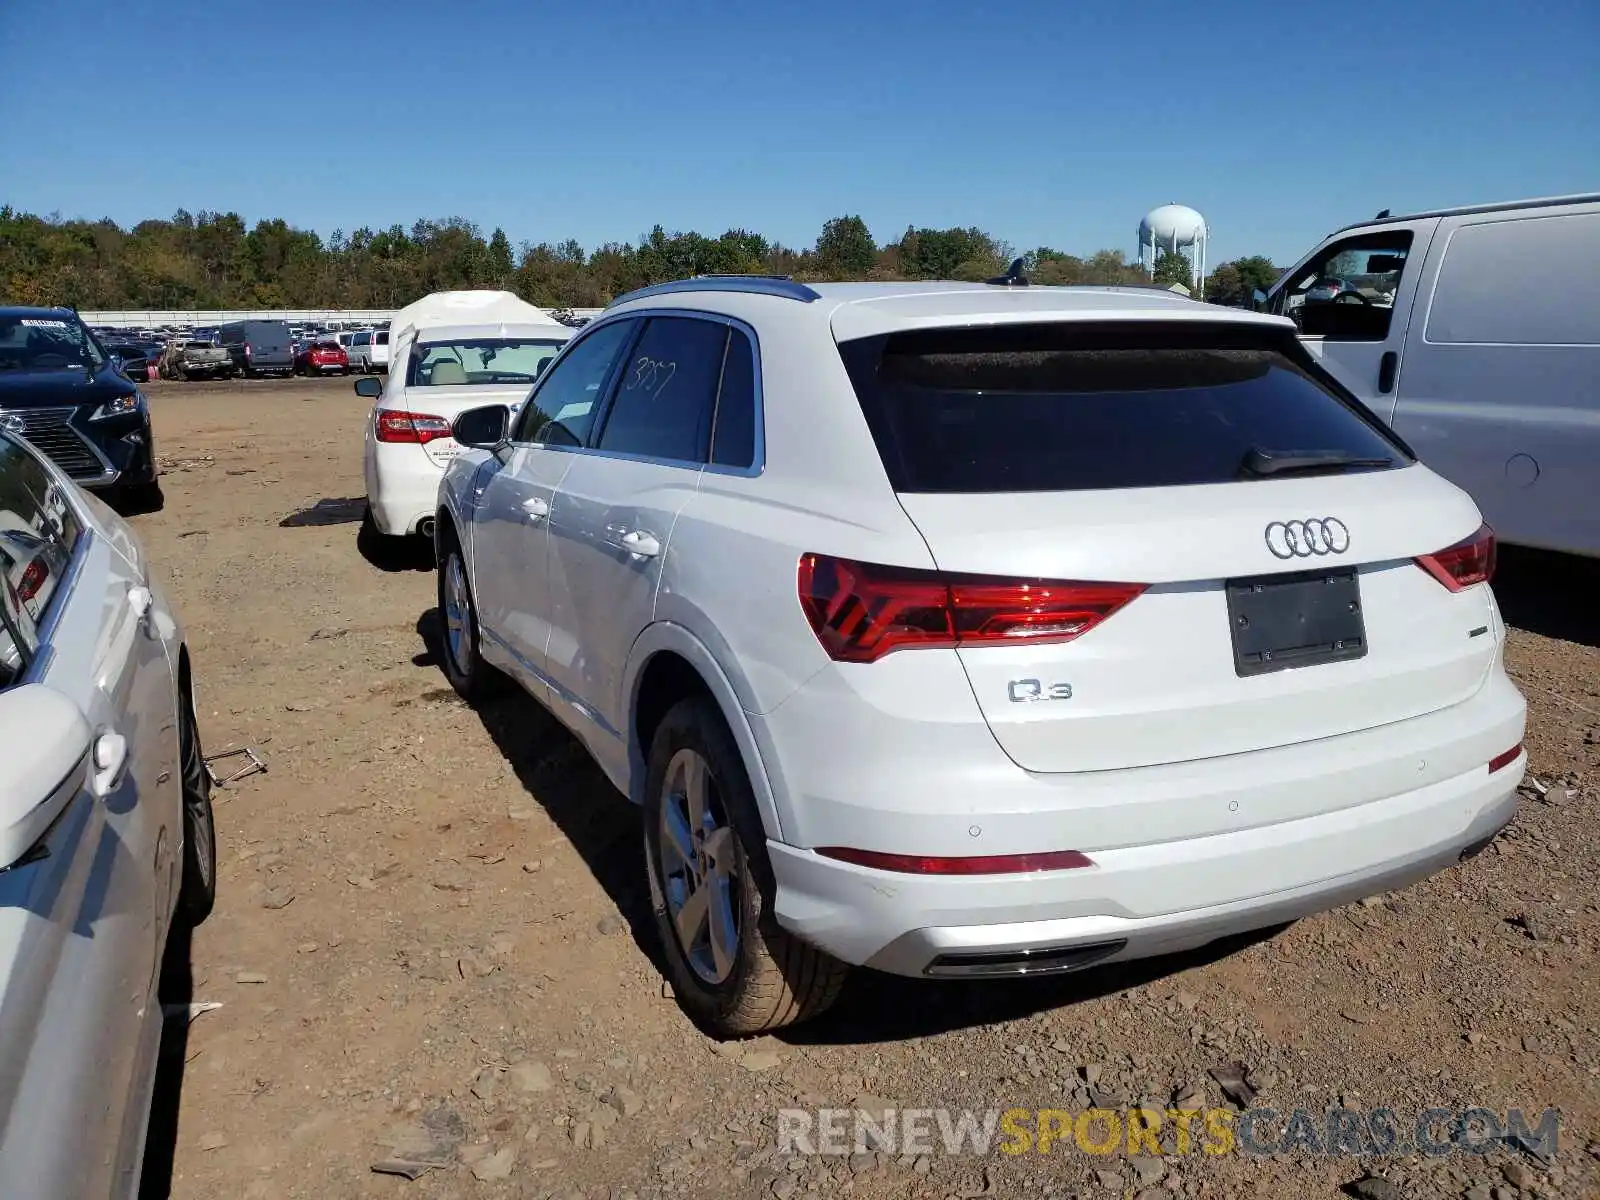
(859, 310)
(553, 331)
(466, 308)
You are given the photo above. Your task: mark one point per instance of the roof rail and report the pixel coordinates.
(1474, 209)
(759, 285)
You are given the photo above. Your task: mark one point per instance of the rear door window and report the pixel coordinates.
(668, 391)
(1078, 406)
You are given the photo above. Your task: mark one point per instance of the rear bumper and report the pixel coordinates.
(402, 488)
(1012, 925)
(1411, 798)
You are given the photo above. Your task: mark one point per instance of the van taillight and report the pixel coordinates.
(1469, 561)
(861, 611)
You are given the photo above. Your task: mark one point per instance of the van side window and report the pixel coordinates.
(1518, 283)
(1347, 292)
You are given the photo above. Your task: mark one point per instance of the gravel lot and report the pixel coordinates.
(431, 938)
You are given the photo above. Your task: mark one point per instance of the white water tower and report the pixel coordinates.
(1175, 228)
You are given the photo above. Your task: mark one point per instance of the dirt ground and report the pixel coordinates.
(432, 935)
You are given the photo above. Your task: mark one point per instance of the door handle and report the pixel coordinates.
(536, 508)
(1386, 369)
(641, 543)
(110, 764)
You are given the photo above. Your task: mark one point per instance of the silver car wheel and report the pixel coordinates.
(699, 866)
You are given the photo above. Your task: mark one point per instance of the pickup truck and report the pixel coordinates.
(196, 360)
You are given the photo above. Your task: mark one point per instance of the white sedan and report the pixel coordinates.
(106, 834)
(453, 351)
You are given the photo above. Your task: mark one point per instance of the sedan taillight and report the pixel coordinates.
(861, 611)
(392, 425)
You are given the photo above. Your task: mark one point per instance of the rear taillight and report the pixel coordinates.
(392, 425)
(1468, 562)
(861, 611)
(247, 349)
(986, 864)
(33, 577)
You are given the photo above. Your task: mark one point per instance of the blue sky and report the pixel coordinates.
(1054, 122)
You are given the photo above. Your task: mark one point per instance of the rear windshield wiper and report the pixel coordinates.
(1267, 463)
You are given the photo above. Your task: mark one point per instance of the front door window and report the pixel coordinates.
(1347, 292)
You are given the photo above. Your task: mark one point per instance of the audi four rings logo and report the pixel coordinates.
(1303, 539)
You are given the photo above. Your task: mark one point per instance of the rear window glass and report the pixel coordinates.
(1066, 407)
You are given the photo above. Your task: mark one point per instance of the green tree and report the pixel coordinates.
(1172, 267)
(500, 264)
(845, 249)
(206, 259)
(1235, 282)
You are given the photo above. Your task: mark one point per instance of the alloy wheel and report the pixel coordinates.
(457, 616)
(699, 864)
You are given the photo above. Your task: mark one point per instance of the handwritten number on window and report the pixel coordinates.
(651, 375)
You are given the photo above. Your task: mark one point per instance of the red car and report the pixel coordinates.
(322, 358)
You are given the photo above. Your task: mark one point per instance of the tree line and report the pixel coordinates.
(209, 260)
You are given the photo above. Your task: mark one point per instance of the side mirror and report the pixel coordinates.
(482, 428)
(1258, 298)
(37, 785)
(539, 367)
(369, 387)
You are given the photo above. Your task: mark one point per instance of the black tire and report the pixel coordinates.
(473, 679)
(772, 978)
(197, 894)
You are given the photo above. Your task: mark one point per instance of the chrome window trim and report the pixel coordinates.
(759, 443)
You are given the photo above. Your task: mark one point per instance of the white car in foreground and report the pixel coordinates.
(967, 630)
(453, 351)
(106, 835)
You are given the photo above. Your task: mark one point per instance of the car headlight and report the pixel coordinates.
(121, 406)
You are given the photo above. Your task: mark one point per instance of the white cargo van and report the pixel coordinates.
(1475, 332)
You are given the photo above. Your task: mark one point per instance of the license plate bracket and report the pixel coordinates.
(1304, 619)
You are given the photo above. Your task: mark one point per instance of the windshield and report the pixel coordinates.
(45, 344)
(479, 360)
